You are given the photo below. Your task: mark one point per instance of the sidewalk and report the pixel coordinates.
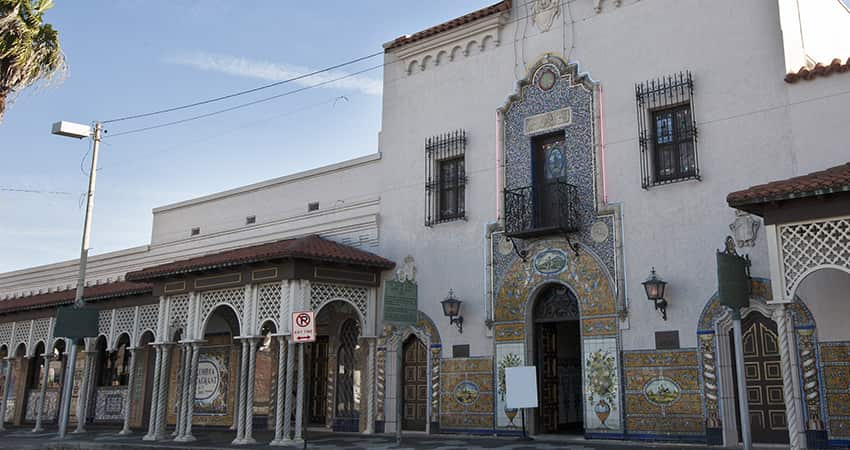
(107, 438)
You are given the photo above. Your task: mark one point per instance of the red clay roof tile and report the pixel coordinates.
(504, 5)
(58, 298)
(820, 70)
(832, 180)
(309, 247)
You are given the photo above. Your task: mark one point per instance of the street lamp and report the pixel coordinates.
(451, 309)
(654, 287)
(73, 323)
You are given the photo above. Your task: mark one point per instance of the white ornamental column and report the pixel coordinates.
(182, 397)
(163, 392)
(42, 393)
(370, 386)
(279, 393)
(83, 394)
(249, 387)
(237, 415)
(299, 397)
(782, 319)
(288, 400)
(128, 402)
(243, 384)
(6, 382)
(192, 388)
(151, 435)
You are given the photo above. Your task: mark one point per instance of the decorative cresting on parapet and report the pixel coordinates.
(808, 246)
(553, 261)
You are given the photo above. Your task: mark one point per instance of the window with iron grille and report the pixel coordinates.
(445, 178)
(667, 130)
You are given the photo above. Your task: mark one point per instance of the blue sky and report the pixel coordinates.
(133, 56)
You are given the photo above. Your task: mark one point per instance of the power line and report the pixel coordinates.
(33, 191)
(248, 91)
(244, 105)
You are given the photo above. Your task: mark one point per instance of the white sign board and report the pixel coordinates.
(521, 387)
(303, 327)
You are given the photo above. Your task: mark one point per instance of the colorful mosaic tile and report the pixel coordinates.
(835, 360)
(835, 353)
(506, 332)
(684, 425)
(605, 326)
(466, 387)
(660, 358)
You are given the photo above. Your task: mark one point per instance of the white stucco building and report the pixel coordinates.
(537, 161)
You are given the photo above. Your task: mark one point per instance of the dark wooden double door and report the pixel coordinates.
(763, 372)
(559, 377)
(414, 385)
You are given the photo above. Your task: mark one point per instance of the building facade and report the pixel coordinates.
(538, 161)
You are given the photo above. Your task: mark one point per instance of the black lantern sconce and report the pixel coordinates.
(451, 309)
(654, 287)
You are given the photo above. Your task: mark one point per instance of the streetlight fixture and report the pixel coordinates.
(654, 287)
(451, 309)
(76, 322)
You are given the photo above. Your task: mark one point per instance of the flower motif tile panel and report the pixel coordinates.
(466, 393)
(835, 360)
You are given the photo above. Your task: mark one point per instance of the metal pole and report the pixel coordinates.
(399, 388)
(743, 407)
(67, 388)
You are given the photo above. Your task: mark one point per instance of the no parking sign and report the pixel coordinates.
(303, 326)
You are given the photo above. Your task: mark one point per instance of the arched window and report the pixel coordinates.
(114, 365)
(348, 374)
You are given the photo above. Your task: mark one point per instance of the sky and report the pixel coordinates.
(127, 57)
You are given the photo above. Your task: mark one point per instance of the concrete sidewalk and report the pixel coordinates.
(107, 438)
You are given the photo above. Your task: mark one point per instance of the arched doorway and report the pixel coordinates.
(34, 377)
(349, 380)
(558, 357)
(215, 401)
(414, 402)
(763, 372)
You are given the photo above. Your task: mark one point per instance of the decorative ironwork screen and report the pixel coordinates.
(806, 246)
(537, 210)
(445, 177)
(667, 131)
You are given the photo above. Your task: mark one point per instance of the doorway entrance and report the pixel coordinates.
(557, 350)
(763, 372)
(414, 385)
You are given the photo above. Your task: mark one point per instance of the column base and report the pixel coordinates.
(298, 442)
(248, 441)
(188, 438)
(79, 431)
(37, 430)
(237, 441)
(281, 443)
(148, 437)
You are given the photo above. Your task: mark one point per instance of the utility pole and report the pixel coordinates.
(78, 131)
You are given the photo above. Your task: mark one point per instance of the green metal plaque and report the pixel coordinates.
(75, 323)
(400, 302)
(733, 281)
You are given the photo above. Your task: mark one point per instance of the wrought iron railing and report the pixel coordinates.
(541, 209)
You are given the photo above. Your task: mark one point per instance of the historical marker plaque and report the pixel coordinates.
(400, 302)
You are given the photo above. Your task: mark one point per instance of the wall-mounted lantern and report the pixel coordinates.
(451, 309)
(654, 287)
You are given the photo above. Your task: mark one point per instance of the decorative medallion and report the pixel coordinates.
(547, 79)
(599, 232)
(550, 262)
(544, 13)
(661, 391)
(745, 228)
(504, 246)
(466, 393)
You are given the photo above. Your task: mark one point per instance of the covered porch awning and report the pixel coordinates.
(807, 225)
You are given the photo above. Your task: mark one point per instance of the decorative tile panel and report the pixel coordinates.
(466, 393)
(663, 392)
(506, 332)
(51, 405)
(507, 355)
(109, 404)
(835, 360)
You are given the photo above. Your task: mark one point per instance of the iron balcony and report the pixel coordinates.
(541, 209)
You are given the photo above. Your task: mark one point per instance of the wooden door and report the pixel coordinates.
(415, 385)
(763, 371)
(550, 167)
(319, 380)
(547, 364)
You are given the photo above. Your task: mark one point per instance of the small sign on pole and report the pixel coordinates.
(303, 327)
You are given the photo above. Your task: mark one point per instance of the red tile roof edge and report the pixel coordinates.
(303, 247)
(832, 180)
(502, 6)
(58, 298)
(820, 70)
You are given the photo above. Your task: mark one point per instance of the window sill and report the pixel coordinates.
(446, 220)
(672, 181)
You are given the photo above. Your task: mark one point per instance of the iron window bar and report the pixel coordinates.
(445, 193)
(654, 97)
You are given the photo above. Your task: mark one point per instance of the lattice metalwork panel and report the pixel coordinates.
(268, 303)
(104, 321)
(809, 245)
(41, 331)
(6, 332)
(124, 319)
(322, 293)
(235, 297)
(179, 313)
(147, 318)
(22, 333)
